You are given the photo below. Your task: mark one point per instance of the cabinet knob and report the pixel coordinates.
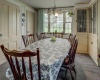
(91, 42)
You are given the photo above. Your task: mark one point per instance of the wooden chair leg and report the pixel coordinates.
(66, 72)
(74, 70)
(71, 74)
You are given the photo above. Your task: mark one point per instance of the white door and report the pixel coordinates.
(30, 22)
(9, 27)
(82, 32)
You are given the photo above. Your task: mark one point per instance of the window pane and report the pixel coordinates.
(90, 20)
(94, 26)
(68, 24)
(61, 29)
(45, 27)
(68, 28)
(68, 18)
(94, 18)
(51, 30)
(81, 20)
(56, 23)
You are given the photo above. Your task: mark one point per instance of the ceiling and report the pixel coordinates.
(50, 3)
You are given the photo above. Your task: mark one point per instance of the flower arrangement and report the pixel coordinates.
(53, 38)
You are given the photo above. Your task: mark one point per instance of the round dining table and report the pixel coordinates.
(52, 55)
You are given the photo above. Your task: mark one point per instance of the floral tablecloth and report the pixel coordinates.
(52, 55)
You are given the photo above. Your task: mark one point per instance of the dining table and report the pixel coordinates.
(52, 55)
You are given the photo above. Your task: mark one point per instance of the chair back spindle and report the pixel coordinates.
(28, 39)
(58, 35)
(40, 36)
(71, 38)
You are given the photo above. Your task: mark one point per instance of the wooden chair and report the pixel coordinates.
(99, 55)
(48, 34)
(71, 38)
(40, 36)
(58, 35)
(28, 39)
(11, 55)
(66, 35)
(69, 60)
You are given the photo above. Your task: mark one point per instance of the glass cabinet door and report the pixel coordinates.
(90, 20)
(81, 21)
(94, 18)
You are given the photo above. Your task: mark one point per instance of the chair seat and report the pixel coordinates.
(66, 60)
(68, 65)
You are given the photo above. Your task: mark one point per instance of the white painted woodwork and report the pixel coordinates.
(93, 39)
(98, 25)
(93, 47)
(92, 44)
(82, 43)
(82, 37)
(9, 27)
(30, 24)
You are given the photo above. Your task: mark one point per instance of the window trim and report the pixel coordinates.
(64, 22)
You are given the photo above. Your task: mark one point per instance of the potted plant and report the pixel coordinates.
(70, 13)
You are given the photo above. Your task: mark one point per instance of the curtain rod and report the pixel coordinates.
(57, 7)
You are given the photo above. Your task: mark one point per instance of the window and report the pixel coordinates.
(61, 23)
(45, 22)
(68, 24)
(56, 23)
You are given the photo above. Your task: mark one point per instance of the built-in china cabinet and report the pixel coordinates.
(93, 33)
(88, 29)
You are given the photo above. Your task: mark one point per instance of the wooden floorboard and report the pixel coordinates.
(85, 67)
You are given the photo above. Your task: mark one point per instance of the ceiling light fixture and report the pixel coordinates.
(54, 10)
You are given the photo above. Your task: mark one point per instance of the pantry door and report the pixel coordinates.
(30, 21)
(9, 27)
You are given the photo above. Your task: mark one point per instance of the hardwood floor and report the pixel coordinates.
(80, 75)
(91, 70)
(85, 67)
(3, 69)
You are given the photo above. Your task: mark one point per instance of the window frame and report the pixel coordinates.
(81, 21)
(64, 22)
(94, 19)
